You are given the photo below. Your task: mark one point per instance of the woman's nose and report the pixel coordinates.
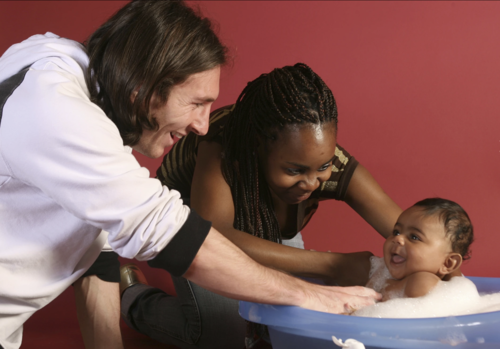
(311, 183)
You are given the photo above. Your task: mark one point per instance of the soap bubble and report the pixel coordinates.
(459, 296)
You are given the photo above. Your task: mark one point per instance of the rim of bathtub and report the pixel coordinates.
(475, 328)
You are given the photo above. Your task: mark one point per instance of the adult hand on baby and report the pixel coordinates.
(340, 300)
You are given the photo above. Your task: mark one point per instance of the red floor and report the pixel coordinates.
(56, 325)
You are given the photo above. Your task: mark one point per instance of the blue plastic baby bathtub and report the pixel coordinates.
(296, 328)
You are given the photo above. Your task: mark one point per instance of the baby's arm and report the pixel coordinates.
(420, 283)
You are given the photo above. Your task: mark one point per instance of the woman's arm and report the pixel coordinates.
(368, 199)
(211, 198)
(223, 268)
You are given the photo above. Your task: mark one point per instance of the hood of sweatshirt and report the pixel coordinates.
(71, 53)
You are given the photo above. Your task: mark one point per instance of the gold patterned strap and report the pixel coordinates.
(343, 167)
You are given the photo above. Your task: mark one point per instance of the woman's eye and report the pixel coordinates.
(199, 104)
(324, 167)
(292, 171)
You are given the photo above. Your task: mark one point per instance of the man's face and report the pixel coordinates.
(418, 243)
(187, 110)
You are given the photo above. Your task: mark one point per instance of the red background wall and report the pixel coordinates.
(417, 86)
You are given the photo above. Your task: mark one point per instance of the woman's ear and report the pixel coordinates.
(452, 262)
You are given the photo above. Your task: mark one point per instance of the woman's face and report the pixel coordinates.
(299, 160)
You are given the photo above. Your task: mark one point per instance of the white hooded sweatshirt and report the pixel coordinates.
(65, 175)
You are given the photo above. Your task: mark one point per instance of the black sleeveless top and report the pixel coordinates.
(177, 168)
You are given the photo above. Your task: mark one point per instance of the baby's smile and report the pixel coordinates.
(397, 259)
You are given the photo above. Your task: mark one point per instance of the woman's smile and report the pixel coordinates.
(298, 161)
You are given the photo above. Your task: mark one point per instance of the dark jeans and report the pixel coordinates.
(196, 318)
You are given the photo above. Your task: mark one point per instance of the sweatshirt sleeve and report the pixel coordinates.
(63, 146)
(177, 256)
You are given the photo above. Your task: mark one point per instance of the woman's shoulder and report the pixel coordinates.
(177, 168)
(218, 119)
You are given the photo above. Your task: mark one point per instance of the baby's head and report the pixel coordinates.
(433, 235)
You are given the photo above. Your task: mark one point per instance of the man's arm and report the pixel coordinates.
(223, 268)
(98, 311)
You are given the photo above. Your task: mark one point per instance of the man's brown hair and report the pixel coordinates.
(146, 48)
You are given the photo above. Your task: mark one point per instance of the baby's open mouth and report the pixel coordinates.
(397, 259)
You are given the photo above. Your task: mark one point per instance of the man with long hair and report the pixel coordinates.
(70, 116)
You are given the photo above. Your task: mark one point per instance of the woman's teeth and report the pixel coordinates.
(177, 135)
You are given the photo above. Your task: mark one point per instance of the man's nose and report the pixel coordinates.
(201, 123)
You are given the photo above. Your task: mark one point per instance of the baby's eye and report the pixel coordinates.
(414, 237)
(396, 233)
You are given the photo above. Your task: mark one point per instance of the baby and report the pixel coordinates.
(429, 242)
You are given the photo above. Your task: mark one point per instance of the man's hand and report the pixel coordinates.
(340, 300)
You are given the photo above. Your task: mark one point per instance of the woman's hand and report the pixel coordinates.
(343, 269)
(350, 269)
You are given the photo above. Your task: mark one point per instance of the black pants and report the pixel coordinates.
(195, 319)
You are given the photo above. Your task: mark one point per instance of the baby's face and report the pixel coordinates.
(418, 243)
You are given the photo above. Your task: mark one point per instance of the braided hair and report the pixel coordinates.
(292, 95)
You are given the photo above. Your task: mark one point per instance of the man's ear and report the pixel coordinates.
(134, 94)
(452, 262)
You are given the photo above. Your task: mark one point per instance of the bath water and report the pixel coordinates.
(459, 296)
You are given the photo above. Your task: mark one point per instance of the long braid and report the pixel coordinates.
(286, 96)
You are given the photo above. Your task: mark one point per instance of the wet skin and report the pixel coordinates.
(417, 244)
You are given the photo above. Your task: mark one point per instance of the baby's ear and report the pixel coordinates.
(452, 262)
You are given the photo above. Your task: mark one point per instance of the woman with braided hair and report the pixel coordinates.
(259, 175)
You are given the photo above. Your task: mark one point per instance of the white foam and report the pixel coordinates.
(379, 274)
(459, 296)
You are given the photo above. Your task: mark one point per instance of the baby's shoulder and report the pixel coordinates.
(420, 283)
